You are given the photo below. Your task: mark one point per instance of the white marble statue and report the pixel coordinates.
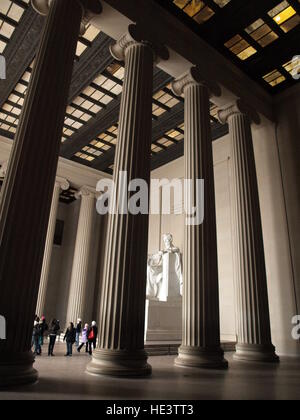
(164, 272)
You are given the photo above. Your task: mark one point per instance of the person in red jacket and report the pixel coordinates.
(92, 337)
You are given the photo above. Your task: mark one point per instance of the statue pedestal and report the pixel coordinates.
(164, 320)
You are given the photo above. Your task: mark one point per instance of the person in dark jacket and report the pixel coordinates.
(36, 337)
(53, 332)
(78, 331)
(70, 338)
(36, 321)
(44, 328)
(92, 337)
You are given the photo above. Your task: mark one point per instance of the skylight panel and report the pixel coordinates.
(274, 78)
(196, 9)
(91, 33)
(261, 33)
(155, 148)
(285, 16)
(240, 47)
(293, 67)
(222, 3)
(12, 14)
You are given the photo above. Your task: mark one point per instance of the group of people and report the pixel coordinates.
(88, 336)
(40, 329)
(79, 335)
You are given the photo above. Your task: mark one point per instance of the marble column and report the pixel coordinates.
(121, 350)
(28, 186)
(60, 184)
(201, 324)
(254, 332)
(80, 280)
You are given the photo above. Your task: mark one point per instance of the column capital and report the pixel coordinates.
(238, 107)
(135, 35)
(62, 183)
(194, 77)
(90, 8)
(86, 191)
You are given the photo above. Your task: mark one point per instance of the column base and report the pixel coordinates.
(17, 369)
(203, 358)
(119, 363)
(256, 353)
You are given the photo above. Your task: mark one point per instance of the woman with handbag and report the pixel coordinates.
(92, 337)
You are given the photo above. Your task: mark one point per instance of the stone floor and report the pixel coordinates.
(65, 378)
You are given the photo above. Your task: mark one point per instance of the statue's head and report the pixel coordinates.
(168, 240)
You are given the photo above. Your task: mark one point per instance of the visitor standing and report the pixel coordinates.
(36, 337)
(92, 337)
(78, 331)
(53, 332)
(44, 328)
(84, 339)
(70, 338)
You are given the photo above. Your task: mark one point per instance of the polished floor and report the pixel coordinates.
(65, 378)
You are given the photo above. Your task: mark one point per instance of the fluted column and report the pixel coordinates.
(122, 314)
(254, 332)
(81, 262)
(201, 325)
(60, 184)
(28, 187)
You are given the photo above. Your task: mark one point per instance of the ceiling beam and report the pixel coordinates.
(177, 150)
(92, 62)
(23, 47)
(187, 48)
(275, 54)
(104, 120)
(21, 50)
(168, 121)
(165, 123)
(233, 18)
